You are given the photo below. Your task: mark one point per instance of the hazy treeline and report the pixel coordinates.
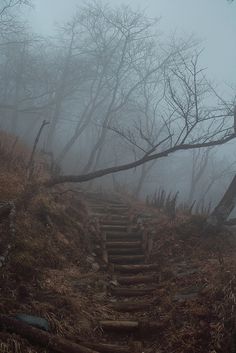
(114, 88)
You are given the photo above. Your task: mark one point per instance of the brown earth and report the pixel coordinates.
(49, 271)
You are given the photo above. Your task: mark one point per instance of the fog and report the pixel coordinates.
(212, 21)
(109, 105)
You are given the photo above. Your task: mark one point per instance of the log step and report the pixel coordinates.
(135, 268)
(131, 306)
(121, 236)
(99, 210)
(112, 228)
(108, 348)
(120, 206)
(124, 251)
(123, 244)
(137, 279)
(126, 259)
(118, 217)
(114, 223)
(109, 210)
(131, 292)
(131, 326)
(119, 325)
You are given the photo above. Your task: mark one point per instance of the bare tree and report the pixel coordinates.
(121, 41)
(200, 159)
(188, 122)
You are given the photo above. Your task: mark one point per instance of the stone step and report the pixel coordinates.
(131, 292)
(123, 244)
(126, 259)
(136, 268)
(137, 279)
(125, 251)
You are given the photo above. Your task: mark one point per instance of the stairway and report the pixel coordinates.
(133, 282)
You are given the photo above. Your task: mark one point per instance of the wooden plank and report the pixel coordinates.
(122, 236)
(126, 259)
(136, 268)
(125, 251)
(119, 325)
(123, 244)
(111, 228)
(115, 223)
(131, 306)
(131, 292)
(143, 327)
(108, 348)
(137, 279)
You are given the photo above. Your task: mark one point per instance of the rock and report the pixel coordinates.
(90, 259)
(114, 283)
(34, 321)
(95, 266)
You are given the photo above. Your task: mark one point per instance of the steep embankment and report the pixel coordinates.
(44, 258)
(81, 262)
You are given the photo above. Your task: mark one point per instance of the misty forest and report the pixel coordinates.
(117, 181)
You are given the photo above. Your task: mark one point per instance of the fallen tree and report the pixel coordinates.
(40, 337)
(149, 156)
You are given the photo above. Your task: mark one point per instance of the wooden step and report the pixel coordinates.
(118, 217)
(131, 292)
(127, 306)
(131, 326)
(125, 251)
(126, 259)
(108, 348)
(114, 223)
(136, 268)
(123, 244)
(121, 236)
(120, 206)
(98, 209)
(112, 228)
(137, 279)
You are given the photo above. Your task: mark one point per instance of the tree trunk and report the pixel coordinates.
(40, 337)
(225, 206)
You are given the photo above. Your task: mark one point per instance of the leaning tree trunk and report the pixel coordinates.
(224, 207)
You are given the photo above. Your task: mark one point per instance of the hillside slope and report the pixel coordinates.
(49, 268)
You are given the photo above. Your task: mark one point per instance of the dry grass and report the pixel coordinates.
(47, 254)
(47, 274)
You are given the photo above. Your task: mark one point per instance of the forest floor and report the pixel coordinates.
(50, 271)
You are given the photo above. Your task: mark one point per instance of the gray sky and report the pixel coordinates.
(213, 21)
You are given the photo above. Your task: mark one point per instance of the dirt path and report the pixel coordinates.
(170, 302)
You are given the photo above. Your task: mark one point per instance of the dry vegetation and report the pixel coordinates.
(197, 283)
(47, 274)
(48, 254)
